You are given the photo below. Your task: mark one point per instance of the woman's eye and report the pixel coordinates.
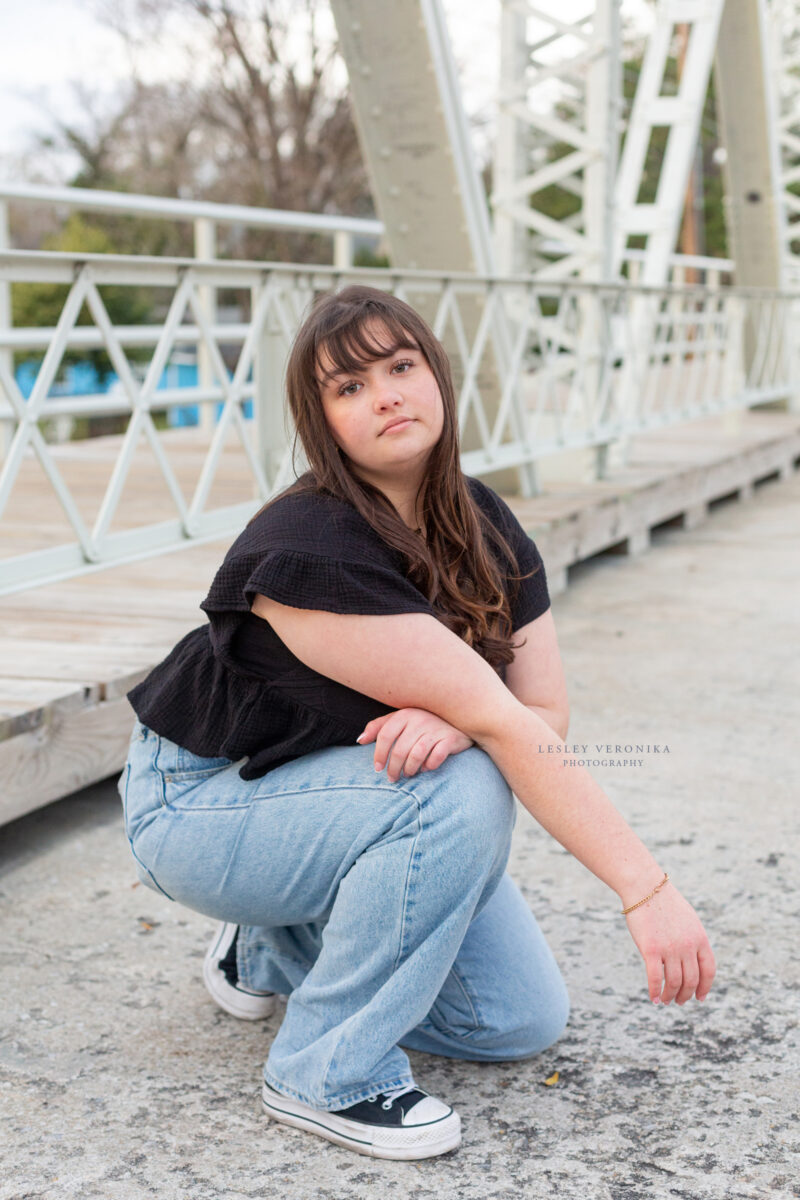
(348, 389)
(403, 366)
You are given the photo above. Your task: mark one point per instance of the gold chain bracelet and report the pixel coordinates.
(639, 903)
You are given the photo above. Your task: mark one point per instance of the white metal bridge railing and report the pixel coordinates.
(540, 368)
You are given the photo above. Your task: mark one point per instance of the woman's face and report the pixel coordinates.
(386, 417)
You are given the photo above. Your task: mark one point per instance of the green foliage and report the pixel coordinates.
(364, 257)
(40, 304)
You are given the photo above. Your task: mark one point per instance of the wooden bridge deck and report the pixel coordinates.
(69, 651)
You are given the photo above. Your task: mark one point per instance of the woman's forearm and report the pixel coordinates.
(571, 806)
(558, 721)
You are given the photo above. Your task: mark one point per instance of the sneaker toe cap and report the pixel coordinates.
(426, 1111)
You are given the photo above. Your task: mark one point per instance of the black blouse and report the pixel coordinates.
(233, 689)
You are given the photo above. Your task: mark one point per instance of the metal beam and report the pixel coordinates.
(414, 135)
(752, 189)
(783, 35)
(427, 189)
(745, 76)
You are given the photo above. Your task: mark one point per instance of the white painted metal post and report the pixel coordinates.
(748, 89)
(271, 418)
(342, 249)
(511, 159)
(6, 356)
(205, 248)
(783, 34)
(603, 111)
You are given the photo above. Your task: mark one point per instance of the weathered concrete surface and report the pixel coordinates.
(121, 1080)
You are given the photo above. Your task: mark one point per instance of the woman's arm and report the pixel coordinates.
(413, 660)
(536, 676)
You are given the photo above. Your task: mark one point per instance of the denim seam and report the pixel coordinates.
(338, 787)
(344, 1101)
(239, 834)
(207, 807)
(196, 776)
(408, 888)
(148, 872)
(403, 919)
(470, 999)
(161, 789)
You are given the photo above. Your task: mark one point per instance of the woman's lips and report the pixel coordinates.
(398, 426)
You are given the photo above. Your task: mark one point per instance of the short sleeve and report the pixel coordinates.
(532, 596)
(314, 552)
(307, 580)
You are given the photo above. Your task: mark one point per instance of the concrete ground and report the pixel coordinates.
(120, 1079)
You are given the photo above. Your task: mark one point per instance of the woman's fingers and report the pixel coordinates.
(691, 978)
(708, 969)
(401, 750)
(388, 736)
(674, 946)
(655, 976)
(438, 754)
(682, 976)
(409, 753)
(411, 740)
(373, 728)
(673, 978)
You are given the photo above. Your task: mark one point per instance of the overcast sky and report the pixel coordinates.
(47, 44)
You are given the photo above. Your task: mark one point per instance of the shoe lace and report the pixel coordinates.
(394, 1094)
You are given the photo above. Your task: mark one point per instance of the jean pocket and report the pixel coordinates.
(189, 780)
(196, 774)
(176, 763)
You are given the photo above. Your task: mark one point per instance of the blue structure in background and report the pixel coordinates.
(82, 378)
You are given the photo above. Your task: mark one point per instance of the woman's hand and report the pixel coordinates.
(422, 741)
(676, 951)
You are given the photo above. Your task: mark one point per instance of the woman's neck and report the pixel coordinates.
(406, 504)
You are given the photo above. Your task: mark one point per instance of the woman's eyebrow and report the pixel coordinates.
(341, 373)
(329, 376)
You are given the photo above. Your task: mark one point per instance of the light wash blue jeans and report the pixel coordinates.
(382, 910)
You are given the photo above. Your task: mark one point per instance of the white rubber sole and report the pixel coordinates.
(379, 1141)
(238, 1001)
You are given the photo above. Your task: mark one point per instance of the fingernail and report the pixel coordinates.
(657, 1000)
(378, 768)
(358, 739)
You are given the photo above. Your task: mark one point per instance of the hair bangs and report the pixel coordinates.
(366, 337)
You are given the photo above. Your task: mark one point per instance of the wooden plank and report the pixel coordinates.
(31, 658)
(106, 599)
(113, 627)
(72, 749)
(24, 703)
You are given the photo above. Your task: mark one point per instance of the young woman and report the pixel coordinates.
(327, 766)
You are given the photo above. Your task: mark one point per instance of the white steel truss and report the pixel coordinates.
(559, 388)
(558, 117)
(559, 122)
(679, 114)
(783, 19)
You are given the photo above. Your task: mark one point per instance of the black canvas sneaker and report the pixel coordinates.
(405, 1123)
(222, 980)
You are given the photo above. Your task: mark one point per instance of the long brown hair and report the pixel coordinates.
(456, 566)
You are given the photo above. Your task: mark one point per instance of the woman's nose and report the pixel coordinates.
(387, 394)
